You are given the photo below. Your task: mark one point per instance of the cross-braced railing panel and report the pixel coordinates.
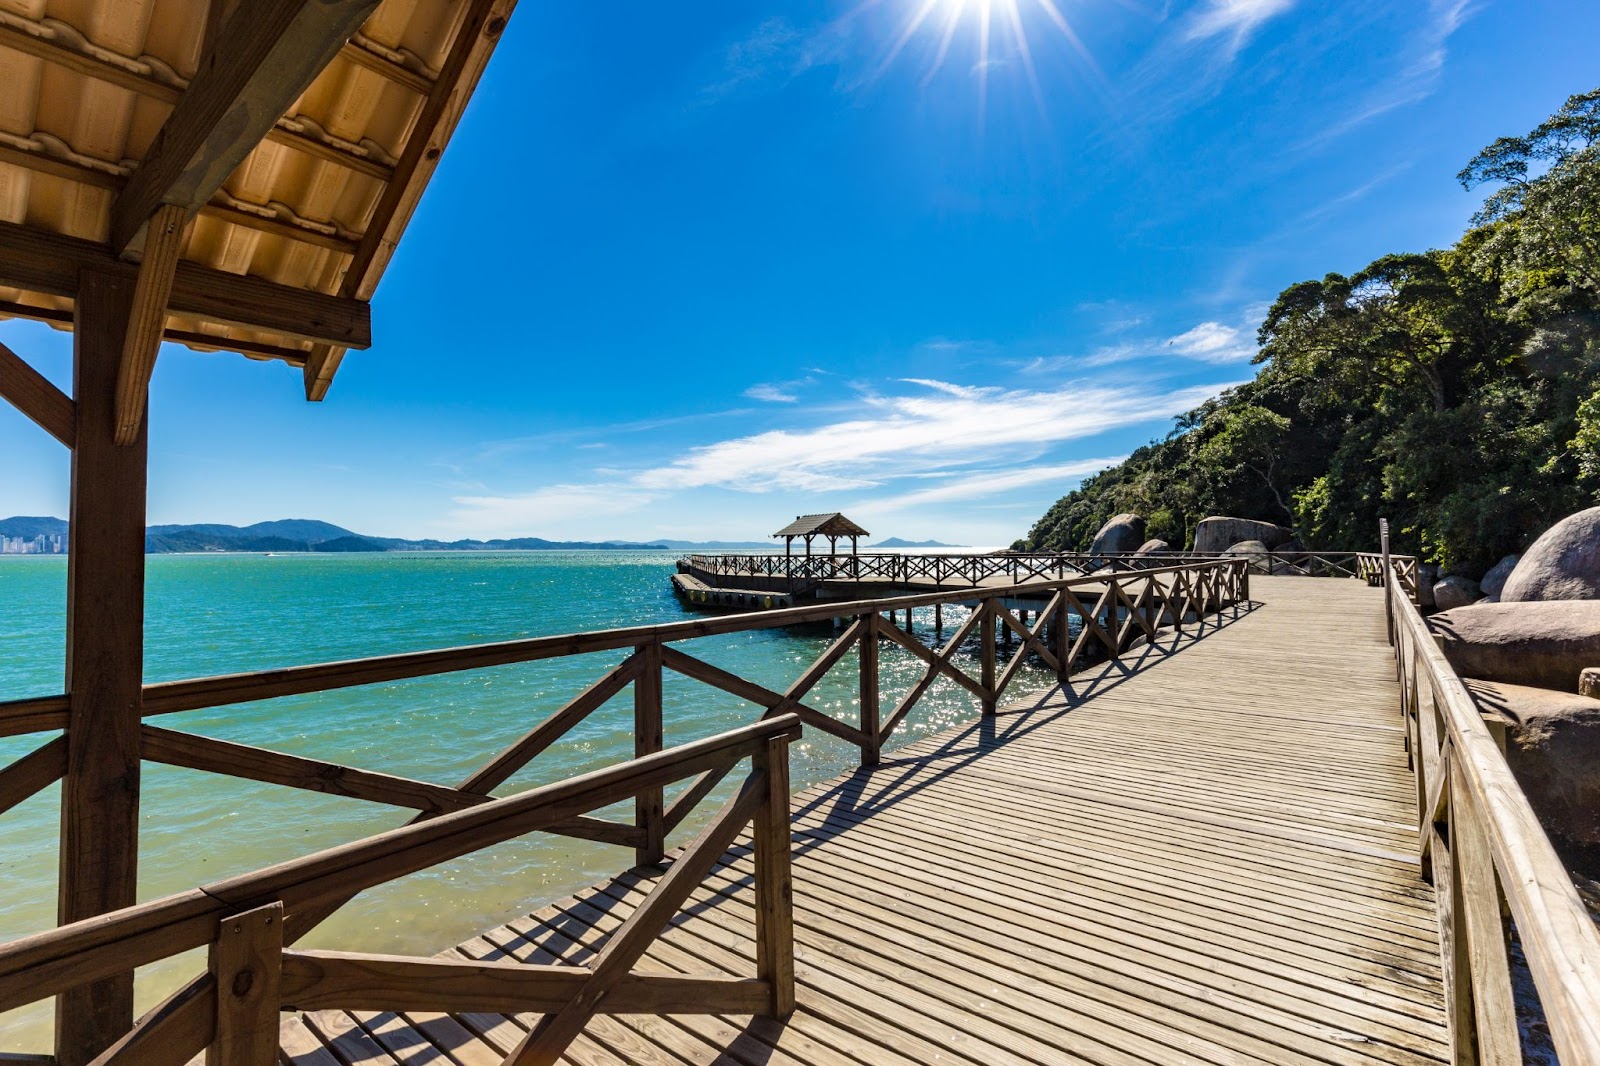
(249, 922)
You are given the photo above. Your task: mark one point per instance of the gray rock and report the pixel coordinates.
(1150, 547)
(1495, 580)
(1284, 560)
(1545, 644)
(1215, 535)
(1427, 577)
(1256, 552)
(1455, 591)
(1553, 748)
(1124, 533)
(1563, 564)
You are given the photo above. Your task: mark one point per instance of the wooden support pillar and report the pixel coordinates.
(938, 621)
(649, 805)
(987, 657)
(774, 881)
(105, 652)
(869, 688)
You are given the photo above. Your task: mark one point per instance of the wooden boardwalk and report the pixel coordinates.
(1204, 853)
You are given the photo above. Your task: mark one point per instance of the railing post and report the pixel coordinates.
(1063, 637)
(988, 656)
(1388, 582)
(246, 962)
(868, 656)
(774, 883)
(649, 805)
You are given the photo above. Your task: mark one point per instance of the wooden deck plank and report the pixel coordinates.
(1200, 854)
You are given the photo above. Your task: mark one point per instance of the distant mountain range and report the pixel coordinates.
(306, 535)
(310, 535)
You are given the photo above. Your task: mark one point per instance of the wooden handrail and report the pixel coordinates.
(41, 965)
(1470, 800)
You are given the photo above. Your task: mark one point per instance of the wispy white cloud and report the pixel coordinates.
(946, 424)
(995, 482)
(546, 511)
(1234, 20)
(769, 393)
(1421, 62)
(1210, 341)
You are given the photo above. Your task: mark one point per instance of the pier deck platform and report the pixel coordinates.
(1202, 853)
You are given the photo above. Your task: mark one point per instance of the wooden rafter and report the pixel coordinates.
(49, 263)
(149, 318)
(32, 394)
(269, 53)
(480, 31)
(91, 66)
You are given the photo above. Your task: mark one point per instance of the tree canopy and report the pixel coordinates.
(1454, 391)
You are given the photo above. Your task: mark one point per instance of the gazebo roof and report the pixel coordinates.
(288, 140)
(832, 524)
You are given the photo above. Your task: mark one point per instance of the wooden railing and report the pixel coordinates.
(1075, 619)
(1018, 567)
(249, 922)
(1485, 852)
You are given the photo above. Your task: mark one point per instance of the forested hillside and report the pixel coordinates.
(1453, 391)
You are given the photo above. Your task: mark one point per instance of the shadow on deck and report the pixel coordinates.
(1201, 853)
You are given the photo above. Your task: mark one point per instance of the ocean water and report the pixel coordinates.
(213, 614)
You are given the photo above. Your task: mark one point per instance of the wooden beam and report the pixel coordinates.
(266, 56)
(32, 773)
(316, 980)
(50, 263)
(246, 961)
(253, 349)
(32, 394)
(148, 319)
(104, 665)
(480, 31)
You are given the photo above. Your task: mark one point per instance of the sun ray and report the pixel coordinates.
(1053, 13)
(1019, 36)
(913, 24)
(952, 20)
(985, 9)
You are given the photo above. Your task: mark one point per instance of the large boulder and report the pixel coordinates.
(1553, 748)
(1494, 581)
(1124, 533)
(1217, 534)
(1256, 552)
(1563, 564)
(1151, 547)
(1427, 577)
(1545, 644)
(1454, 591)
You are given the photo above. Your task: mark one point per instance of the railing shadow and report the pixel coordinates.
(899, 777)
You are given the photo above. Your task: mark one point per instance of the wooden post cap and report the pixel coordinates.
(1589, 682)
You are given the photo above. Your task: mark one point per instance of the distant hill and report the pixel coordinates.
(308, 535)
(716, 545)
(896, 542)
(28, 528)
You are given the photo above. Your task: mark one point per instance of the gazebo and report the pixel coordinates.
(229, 175)
(832, 525)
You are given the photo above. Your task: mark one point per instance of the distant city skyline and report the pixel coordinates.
(686, 274)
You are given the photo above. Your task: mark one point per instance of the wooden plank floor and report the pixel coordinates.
(1203, 854)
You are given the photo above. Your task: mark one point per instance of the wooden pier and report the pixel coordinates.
(1195, 854)
(1258, 820)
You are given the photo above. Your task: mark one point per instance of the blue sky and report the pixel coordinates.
(689, 270)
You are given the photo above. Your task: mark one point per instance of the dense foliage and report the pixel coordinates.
(1456, 392)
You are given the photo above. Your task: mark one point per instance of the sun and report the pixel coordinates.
(942, 22)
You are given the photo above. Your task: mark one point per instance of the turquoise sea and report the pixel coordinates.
(213, 614)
